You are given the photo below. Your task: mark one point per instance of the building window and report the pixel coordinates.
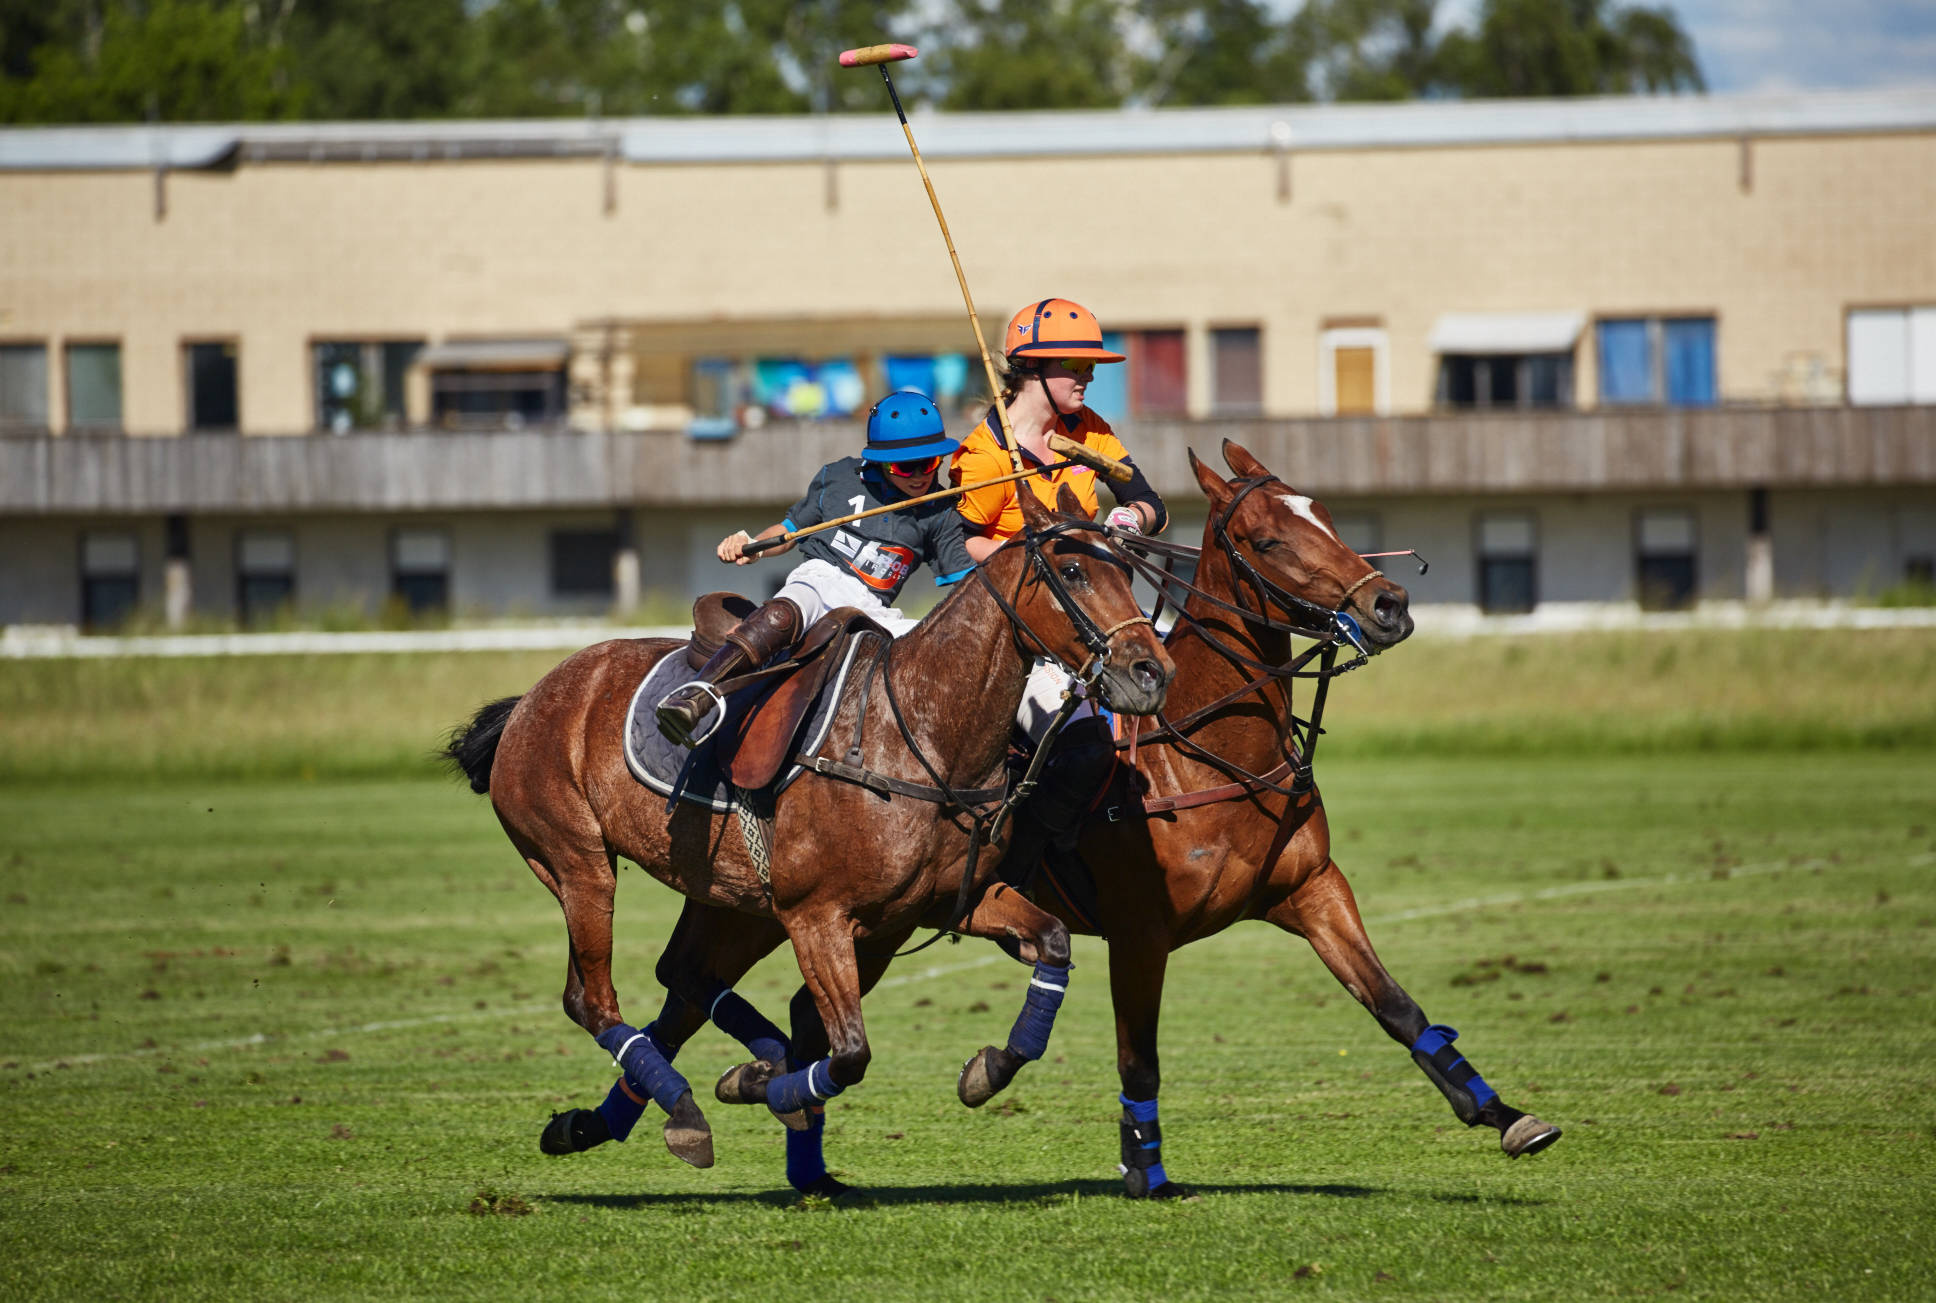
(23, 386)
(1657, 360)
(716, 392)
(1892, 356)
(212, 402)
(420, 569)
(792, 390)
(1664, 559)
(94, 386)
(1358, 530)
(360, 384)
(1158, 373)
(1236, 371)
(1353, 371)
(1506, 380)
(1508, 577)
(110, 579)
(265, 574)
(1153, 380)
(497, 383)
(941, 376)
(581, 562)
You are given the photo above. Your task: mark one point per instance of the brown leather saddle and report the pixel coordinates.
(762, 741)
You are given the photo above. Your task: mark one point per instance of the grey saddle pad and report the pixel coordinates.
(699, 775)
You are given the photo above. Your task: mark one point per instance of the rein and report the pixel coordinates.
(1331, 630)
(972, 802)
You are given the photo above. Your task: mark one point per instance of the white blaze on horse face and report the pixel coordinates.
(1301, 506)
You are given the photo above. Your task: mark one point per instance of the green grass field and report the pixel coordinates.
(272, 1035)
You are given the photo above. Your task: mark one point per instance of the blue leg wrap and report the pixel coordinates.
(1458, 1080)
(1142, 1147)
(733, 1015)
(1030, 1035)
(644, 1065)
(797, 1090)
(620, 1111)
(804, 1162)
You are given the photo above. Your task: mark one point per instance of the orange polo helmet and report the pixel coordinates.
(1055, 328)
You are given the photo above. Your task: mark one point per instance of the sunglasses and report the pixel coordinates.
(912, 469)
(1077, 366)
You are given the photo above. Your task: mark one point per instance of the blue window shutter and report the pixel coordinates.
(1626, 373)
(1688, 345)
(1108, 392)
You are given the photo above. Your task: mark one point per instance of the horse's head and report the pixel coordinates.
(1288, 544)
(1072, 600)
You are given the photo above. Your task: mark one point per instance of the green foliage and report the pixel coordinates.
(1034, 54)
(173, 60)
(280, 1040)
(1569, 47)
(206, 60)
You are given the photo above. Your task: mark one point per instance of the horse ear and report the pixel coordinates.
(1241, 462)
(1213, 484)
(1066, 501)
(1034, 513)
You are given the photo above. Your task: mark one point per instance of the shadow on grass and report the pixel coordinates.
(1037, 1192)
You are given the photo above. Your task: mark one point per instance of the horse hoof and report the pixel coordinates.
(687, 1135)
(746, 1083)
(826, 1187)
(1528, 1136)
(573, 1131)
(795, 1121)
(985, 1075)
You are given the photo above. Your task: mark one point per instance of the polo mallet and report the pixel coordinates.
(880, 56)
(1076, 454)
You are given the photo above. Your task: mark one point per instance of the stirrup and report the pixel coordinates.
(718, 708)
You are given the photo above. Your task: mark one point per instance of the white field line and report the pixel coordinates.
(1593, 888)
(404, 1024)
(944, 970)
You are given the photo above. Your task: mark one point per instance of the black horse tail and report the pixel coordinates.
(470, 748)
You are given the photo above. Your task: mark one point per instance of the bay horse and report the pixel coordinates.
(849, 867)
(1220, 820)
(1216, 818)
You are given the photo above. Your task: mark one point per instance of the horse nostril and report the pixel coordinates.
(1148, 673)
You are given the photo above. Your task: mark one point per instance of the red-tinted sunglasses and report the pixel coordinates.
(912, 469)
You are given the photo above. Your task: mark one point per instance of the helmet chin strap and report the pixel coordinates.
(1070, 420)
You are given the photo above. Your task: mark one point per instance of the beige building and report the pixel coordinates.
(1672, 349)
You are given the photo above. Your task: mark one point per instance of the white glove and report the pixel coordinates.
(1124, 518)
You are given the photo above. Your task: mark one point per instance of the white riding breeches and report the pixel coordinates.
(817, 587)
(1042, 698)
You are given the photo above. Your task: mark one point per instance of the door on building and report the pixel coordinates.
(1355, 372)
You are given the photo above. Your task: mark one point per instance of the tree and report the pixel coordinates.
(1218, 52)
(1033, 54)
(1569, 47)
(174, 60)
(1369, 49)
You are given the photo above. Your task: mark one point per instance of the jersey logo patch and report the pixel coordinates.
(881, 566)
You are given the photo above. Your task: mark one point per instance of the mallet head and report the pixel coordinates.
(871, 54)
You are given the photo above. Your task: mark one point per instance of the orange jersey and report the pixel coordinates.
(996, 512)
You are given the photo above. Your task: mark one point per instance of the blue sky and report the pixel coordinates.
(1773, 45)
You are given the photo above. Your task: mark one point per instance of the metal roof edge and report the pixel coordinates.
(860, 137)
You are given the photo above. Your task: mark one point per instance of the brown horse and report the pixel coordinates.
(852, 868)
(1222, 822)
(1216, 819)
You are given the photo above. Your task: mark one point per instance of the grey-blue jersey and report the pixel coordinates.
(881, 551)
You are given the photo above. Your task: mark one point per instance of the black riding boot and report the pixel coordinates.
(1050, 822)
(753, 642)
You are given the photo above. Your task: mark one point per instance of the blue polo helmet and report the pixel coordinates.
(906, 426)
